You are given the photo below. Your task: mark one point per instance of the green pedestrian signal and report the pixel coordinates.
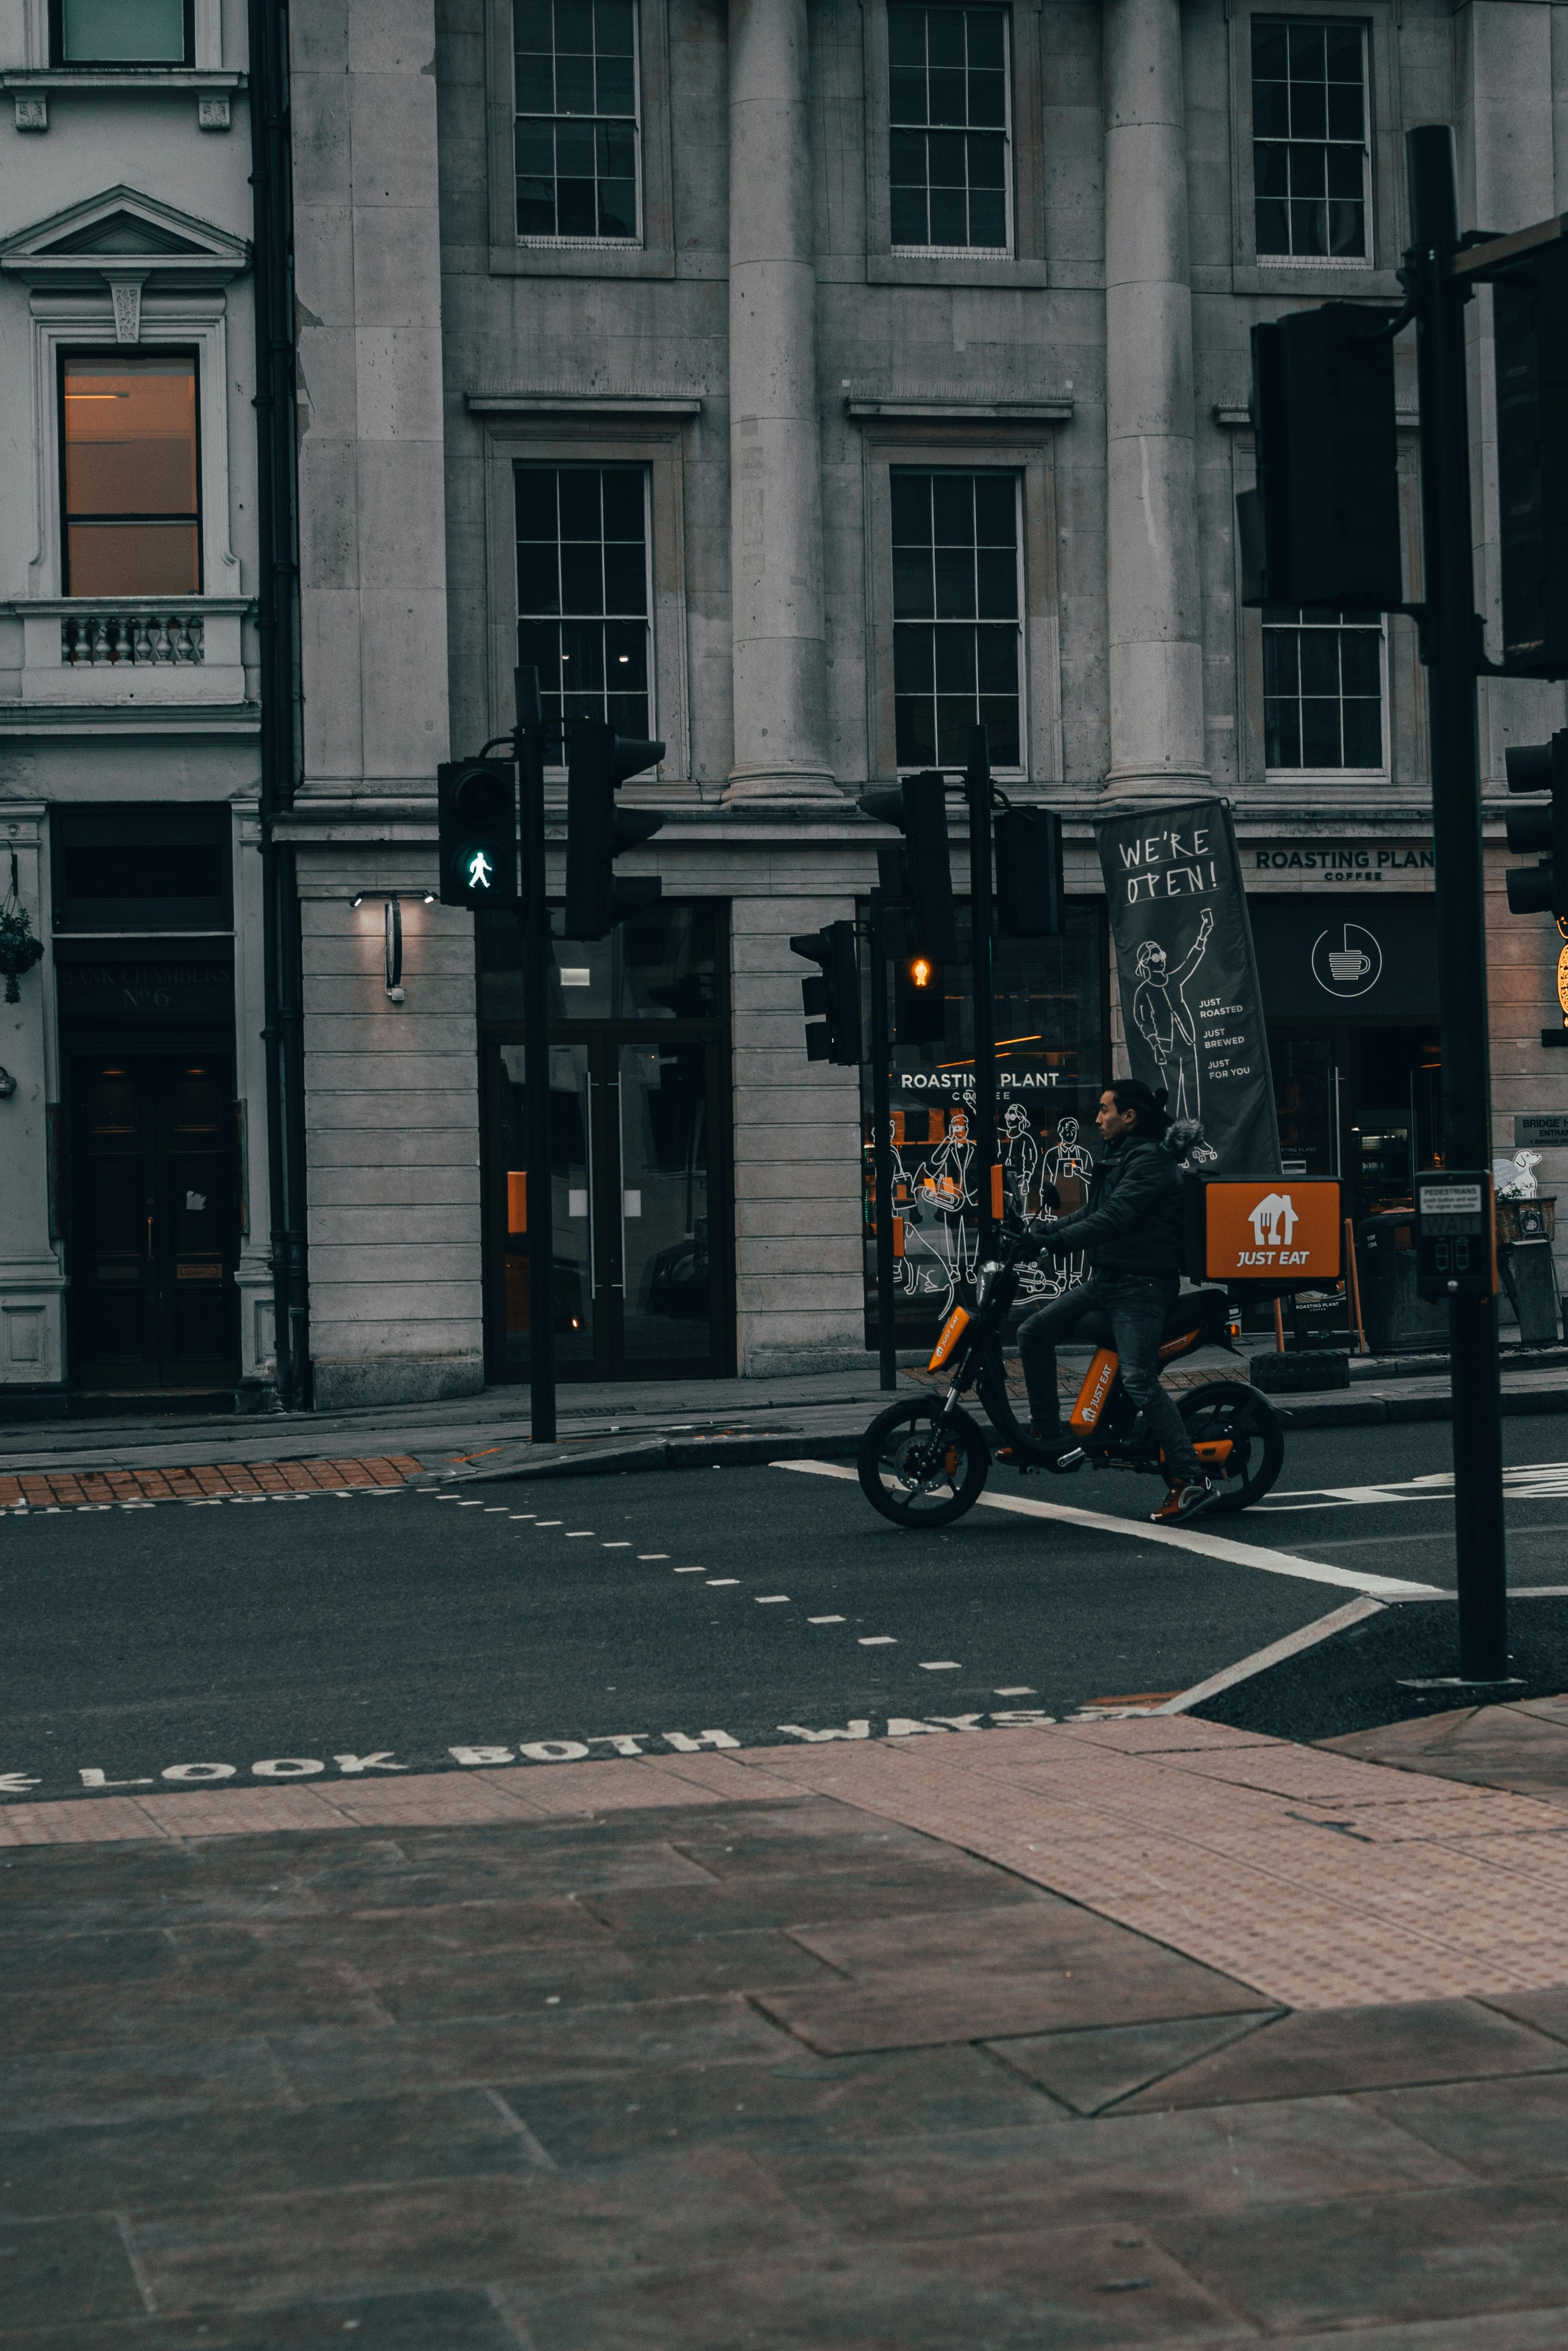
(478, 822)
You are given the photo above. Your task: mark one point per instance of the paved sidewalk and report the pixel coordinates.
(1129, 2033)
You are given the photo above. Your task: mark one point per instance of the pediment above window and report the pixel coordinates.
(121, 233)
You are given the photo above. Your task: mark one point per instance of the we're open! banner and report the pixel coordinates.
(1191, 1006)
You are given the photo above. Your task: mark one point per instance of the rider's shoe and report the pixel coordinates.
(1184, 1502)
(1037, 1452)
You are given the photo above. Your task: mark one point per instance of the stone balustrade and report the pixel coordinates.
(142, 638)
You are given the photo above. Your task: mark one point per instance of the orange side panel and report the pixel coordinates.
(953, 1330)
(516, 1200)
(1092, 1396)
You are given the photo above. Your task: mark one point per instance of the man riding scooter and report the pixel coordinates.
(1130, 1229)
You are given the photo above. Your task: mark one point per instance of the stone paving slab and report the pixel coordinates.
(1315, 1880)
(274, 2076)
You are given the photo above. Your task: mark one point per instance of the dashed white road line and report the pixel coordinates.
(824, 1620)
(1258, 1556)
(877, 1640)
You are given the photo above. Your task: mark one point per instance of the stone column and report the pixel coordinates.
(775, 433)
(1154, 613)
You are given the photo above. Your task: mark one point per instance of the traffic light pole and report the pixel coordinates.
(977, 792)
(1451, 658)
(537, 1192)
(881, 1146)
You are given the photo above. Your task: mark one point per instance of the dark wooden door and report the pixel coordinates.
(154, 1233)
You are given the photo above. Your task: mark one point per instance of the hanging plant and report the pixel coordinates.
(19, 950)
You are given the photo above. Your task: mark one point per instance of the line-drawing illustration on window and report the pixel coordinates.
(1322, 690)
(576, 130)
(582, 591)
(956, 612)
(129, 473)
(948, 128)
(1310, 151)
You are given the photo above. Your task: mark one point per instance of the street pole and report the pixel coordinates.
(881, 1146)
(977, 792)
(535, 1061)
(1451, 653)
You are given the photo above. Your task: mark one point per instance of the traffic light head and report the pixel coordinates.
(919, 808)
(1542, 831)
(476, 827)
(1322, 527)
(1530, 312)
(597, 760)
(920, 1001)
(1029, 873)
(832, 1000)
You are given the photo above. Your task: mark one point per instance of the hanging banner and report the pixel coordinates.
(1191, 1006)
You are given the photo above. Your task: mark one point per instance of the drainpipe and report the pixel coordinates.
(281, 733)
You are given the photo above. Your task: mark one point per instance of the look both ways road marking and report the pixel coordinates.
(1189, 1539)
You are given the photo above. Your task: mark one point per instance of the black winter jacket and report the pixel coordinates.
(1133, 1221)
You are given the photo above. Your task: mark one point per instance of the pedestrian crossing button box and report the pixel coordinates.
(1282, 1231)
(1456, 1235)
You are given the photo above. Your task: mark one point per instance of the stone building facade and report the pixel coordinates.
(817, 379)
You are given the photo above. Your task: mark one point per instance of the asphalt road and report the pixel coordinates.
(256, 1641)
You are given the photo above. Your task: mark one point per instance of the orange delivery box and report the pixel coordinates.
(1280, 1230)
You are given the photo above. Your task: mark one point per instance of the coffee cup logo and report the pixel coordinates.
(1347, 960)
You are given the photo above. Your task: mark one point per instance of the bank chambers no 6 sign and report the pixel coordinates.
(1191, 1006)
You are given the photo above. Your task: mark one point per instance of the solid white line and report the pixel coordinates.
(1306, 1637)
(1208, 1546)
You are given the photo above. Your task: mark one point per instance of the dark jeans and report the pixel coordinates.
(1136, 1305)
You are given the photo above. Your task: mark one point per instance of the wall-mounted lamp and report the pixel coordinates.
(358, 901)
(394, 949)
(430, 897)
(7, 1085)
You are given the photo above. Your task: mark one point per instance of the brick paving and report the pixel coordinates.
(102, 1489)
(1317, 1878)
(715, 2052)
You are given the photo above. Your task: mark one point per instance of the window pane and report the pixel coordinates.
(913, 593)
(130, 435)
(947, 69)
(1360, 661)
(601, 670)
(577, 133)
(988, 218)
(103, 32)
(1322, 684)
(915, 740)
(906, 37)
(955, 583)
(956, 541)
(912, 661)
(132, 558)
(1308, 127)
(625, 580)
(996, 584)
(1364, 734)
(911, 499)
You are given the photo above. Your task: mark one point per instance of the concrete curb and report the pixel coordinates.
(1336, 1410)
(661, 1453)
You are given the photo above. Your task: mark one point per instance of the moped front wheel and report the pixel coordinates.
(918, 1474)
(1244, 1430)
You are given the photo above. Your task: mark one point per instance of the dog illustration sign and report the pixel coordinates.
(1269, 1229)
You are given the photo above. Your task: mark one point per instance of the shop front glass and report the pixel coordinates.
(1052, 1054)
(640, 1180)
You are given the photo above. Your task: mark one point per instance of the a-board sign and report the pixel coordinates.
(1455, 1241)
(1280, 1230)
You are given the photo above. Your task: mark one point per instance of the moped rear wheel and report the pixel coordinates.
(1226, 1410)
(917, 1475)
